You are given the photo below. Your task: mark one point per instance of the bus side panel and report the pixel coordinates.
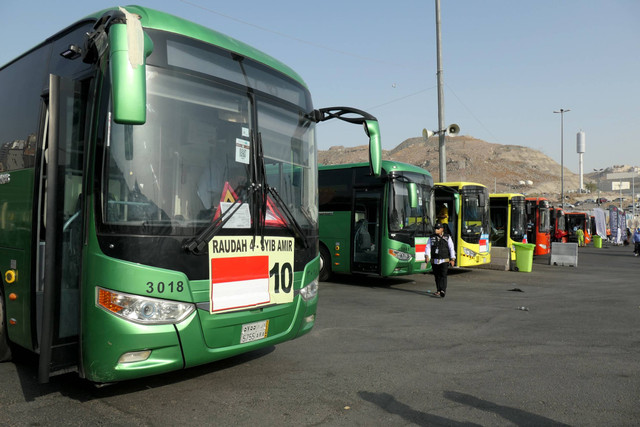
(105, 337)
(17, 295)
(335, 234)
(16, 198)
(21, 85)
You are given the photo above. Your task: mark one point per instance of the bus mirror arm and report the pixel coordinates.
(371, 128)
(120, 33)
(340, 113)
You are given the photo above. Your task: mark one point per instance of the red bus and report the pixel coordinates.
(538, 230)
(558, 228)
(577, 220)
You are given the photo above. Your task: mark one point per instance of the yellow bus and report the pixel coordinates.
(463, 207)
(508, 221)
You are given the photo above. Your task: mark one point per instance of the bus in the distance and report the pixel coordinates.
(508, 221)
(374, 225)
(576, 220)
(557, 225)
(158, 198)
(463, 207)
(538, 228)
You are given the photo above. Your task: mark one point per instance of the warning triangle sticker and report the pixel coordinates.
(273, 216)
(228, 196)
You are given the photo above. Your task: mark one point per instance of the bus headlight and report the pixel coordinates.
(143, 310)
(468, 252)
(310, 291)
(402, 256)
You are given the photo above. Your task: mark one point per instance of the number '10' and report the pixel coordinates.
(286, 274)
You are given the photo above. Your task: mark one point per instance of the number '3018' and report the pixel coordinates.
(162, 287)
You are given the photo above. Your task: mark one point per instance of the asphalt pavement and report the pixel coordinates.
(385, 352)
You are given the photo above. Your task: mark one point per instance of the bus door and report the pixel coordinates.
(367, 225)
(61, 226)
(447, 207)
(499, 213)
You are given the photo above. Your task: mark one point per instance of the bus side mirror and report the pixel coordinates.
(129, 47)
(372, 129)
(482, 200)
(456, 202)
(412, 189)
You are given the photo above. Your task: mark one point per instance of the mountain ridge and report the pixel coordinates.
(502, 168)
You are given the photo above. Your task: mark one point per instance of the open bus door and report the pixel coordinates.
(365, 231)
(60, 238)
(447, 208)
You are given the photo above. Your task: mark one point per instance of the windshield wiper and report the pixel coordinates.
(289, 215)
(197, 244)
(267, 189)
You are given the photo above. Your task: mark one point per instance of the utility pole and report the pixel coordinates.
(562, 111)
(599, 172)
(441, 127)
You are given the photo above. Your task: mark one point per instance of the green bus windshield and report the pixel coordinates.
(192, 158)
(404, 218)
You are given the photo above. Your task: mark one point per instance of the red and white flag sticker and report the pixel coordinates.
(244, 276)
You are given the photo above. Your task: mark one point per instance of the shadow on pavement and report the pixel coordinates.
(81, 390)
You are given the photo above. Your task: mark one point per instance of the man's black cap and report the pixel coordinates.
(438, 225)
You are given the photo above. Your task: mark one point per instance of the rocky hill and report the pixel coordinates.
(500, 167)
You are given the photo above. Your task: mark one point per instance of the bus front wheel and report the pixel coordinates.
(325, 264)
(5, 350)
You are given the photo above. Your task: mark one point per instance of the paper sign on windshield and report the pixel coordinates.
(243, 276)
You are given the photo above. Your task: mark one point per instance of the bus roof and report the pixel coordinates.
(387, 165)
(460, 184)
(507, 195)
(157, 20)
(536, 199)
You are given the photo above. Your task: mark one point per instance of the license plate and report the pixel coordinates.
(254, 331)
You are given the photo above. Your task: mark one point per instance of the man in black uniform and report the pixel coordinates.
(441, 252)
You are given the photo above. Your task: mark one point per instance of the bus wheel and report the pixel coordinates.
(325, 264)
(5, 350)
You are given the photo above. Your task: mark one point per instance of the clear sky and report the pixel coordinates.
(507, 65)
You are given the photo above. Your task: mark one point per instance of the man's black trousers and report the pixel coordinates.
(440, 273)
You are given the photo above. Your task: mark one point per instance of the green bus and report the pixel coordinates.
(464, 208)
(508, 221)
(374, 225)
(140, 231)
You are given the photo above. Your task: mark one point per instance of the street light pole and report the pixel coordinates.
(562, 111)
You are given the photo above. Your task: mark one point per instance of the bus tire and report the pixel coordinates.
(325, 264)
(5, 349)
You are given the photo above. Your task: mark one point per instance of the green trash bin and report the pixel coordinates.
(524, 256)
(597, 241)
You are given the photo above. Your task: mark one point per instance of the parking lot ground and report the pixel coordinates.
(384, 352)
